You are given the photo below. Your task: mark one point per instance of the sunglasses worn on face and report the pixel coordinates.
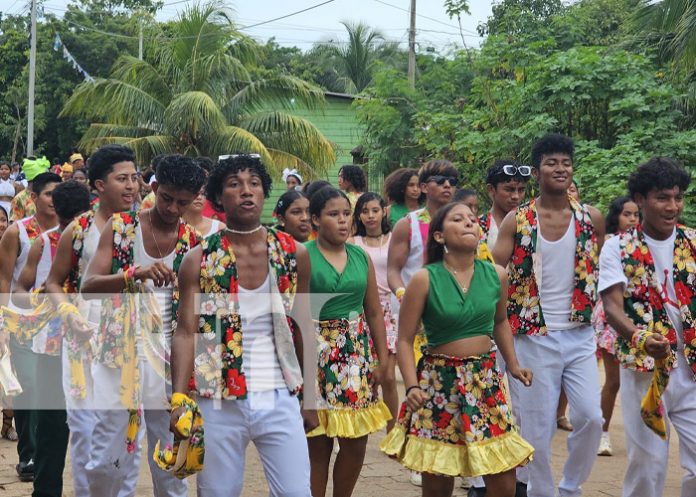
(440, 180)
(511, 170)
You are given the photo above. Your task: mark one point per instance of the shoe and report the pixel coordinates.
(466, 483)
(476, 492)
(25, 471)
(562, 423)
(416, 479)
(605, 446)
(520, 489)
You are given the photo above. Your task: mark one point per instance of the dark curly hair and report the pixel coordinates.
(355, 176)
(320, 198)
(437, 167)
(205, 163)
(360, 205)
(41, 181)
(286, 200)
(659, 173)
(156, 161)
(395, 185)
(101, 162)
(180, 172)
(234, 164)
(495, 174)
(551, 143)
(615, 209)
(70, 199)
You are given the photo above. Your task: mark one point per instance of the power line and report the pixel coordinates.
(287, 15)
(425, 17)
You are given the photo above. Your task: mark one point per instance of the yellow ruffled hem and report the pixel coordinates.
(352, 423)
(487, 457)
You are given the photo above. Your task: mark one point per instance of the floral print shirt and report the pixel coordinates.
(524, 306)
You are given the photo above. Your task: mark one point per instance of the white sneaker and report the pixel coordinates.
(416, 479)
(466, 483)
(605, 445)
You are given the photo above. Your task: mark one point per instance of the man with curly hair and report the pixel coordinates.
(248, 394)
(653, 311)
(550, 246)
(136, 262)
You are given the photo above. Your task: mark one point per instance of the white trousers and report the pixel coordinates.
(647, 453)
(271, 420)
(563, 358)
(109, 469)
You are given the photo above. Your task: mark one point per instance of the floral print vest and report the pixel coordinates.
(523, 306)
(80, 228)
(644, 303)
(485, 224)
(219, 369)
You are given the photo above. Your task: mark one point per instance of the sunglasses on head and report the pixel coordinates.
(510, 170)
(440, 180)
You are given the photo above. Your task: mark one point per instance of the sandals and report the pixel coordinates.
(8, 431)
(563, 423)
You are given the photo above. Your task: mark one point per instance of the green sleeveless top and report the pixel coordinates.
(396, 212)
(450, 314)
(351, 283)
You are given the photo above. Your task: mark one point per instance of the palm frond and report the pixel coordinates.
(194, 114)
(116, 102)
(293, 135)
(233, 139)
(286, 92)
(144, 145)
(284, 160)
(221, 75)
(143, 75)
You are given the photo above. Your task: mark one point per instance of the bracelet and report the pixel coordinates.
(411, 388)
(639, 338)
(400, 293)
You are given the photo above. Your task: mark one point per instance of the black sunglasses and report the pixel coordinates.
(440, 180)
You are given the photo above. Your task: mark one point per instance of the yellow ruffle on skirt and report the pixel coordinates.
(487, 457)
(352, 423)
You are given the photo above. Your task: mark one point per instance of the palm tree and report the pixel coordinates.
(356, 58)
(673, 24)
(196, 97)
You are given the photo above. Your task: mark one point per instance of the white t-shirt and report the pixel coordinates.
(611, 273)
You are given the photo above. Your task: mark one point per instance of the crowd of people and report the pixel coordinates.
(159, 305)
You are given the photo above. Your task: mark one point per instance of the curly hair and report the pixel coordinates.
(180, 172)
(495, 174)
(551, 143)
(395, 185)
(435, 167)
(659, 173)
(234, 164)
(101, 162)
(205, 163)
(355, 176)
(70, 199)
(366, 197)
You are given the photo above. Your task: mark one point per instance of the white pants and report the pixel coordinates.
(648, 453)
(563, 358)
(109, 470)
(273, 422)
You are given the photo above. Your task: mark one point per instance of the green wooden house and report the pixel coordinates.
(339, 125)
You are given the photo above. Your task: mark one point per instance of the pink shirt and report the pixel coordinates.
(378, 255)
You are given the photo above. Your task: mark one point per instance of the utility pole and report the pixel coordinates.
(32, 81)
(412, 47)
(140, 38)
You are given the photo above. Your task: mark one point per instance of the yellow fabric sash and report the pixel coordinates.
(186, 457)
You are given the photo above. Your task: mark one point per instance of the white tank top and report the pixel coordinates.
(42, 270)
(163, 294)
(417, 246)
(214, 228)
(558, 278)
(24, 246)
(6, 188)
(90, 309)
(261, 365)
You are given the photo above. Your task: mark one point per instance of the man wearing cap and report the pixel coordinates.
(22, 205)
(77, 161)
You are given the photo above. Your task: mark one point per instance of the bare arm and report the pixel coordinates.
(503, 335)
(21, 297)
(184, 339)
(301, 308)
(410, 315)
(599, 226)
(502, 252)
(60, 269)
(9, 250)
(374, 314)
(399, 248)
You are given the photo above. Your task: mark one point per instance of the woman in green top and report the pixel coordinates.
(456, 420)
(403, 190)
(348, 372)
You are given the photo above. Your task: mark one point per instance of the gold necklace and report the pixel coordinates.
(152, 227)
(454, 272)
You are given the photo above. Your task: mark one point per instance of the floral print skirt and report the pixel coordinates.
(465, 428)
(348, 403)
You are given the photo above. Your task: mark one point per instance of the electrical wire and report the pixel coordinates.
(425, 17)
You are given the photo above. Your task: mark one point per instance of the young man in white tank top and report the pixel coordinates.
(156, 240)
(551, 245)
(69, 200)
(112, 174)
(252, 399)
(14, 249)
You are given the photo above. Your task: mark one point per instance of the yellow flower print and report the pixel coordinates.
(235, 344)
(682, 256)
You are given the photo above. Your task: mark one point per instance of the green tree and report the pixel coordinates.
(195, 96)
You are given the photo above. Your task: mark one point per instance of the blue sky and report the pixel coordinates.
(434, 28)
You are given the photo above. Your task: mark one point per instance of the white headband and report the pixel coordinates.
(291, 172)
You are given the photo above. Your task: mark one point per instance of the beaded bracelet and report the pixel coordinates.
(411, 388)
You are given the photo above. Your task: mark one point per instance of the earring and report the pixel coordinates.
(445, 247)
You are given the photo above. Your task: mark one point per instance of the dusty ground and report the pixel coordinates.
(383, 477)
